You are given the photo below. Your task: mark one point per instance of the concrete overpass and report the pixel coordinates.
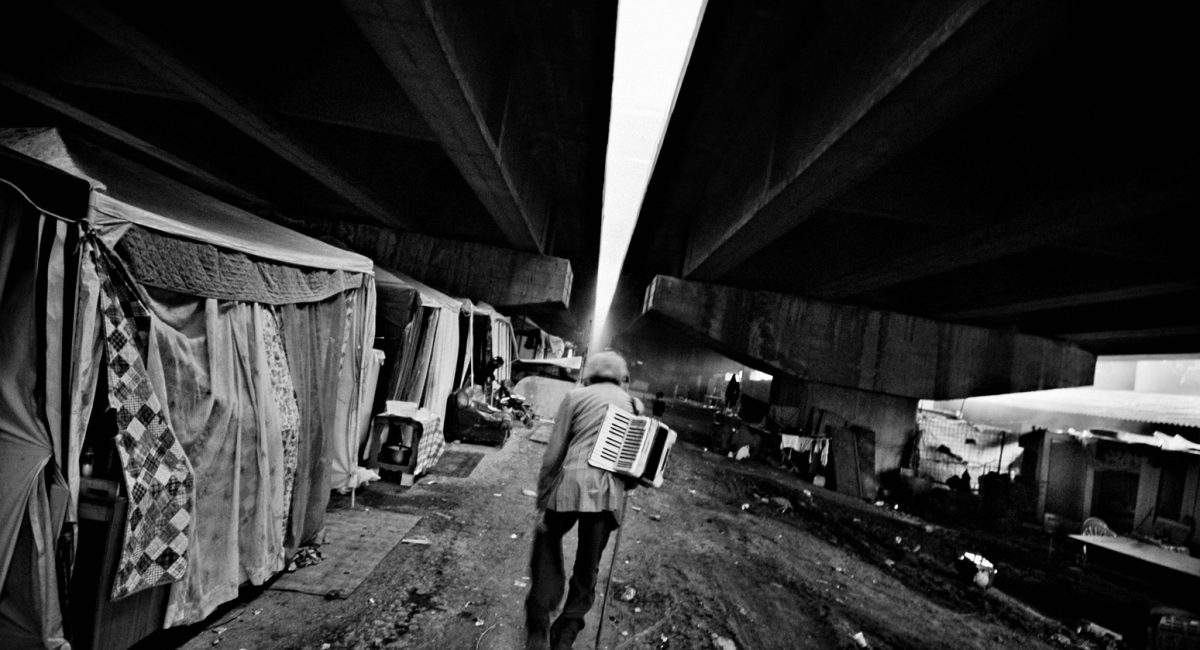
(1021, 169)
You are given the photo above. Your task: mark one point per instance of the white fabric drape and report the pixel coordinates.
(208, 362)
(356, 361)
(440, 380)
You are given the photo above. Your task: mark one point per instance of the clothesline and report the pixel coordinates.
(35, 205)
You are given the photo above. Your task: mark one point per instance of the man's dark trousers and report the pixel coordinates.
(548, 575)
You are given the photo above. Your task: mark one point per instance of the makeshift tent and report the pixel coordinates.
(229, 350)
(535, 343)
(427, 354)
(499, 340)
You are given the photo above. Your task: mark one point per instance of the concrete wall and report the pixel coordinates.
(892, 418)
(865, 349)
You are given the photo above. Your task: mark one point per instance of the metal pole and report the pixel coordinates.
(608, 581)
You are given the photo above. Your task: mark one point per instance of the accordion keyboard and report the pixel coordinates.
(632, 445)
(621, 439)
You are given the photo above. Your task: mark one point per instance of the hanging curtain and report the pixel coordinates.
(357, 338)
(315, 366)
(284, 392)
(29, 520)
(211, 359)
(414, 389)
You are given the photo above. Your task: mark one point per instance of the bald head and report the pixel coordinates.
(606, 365)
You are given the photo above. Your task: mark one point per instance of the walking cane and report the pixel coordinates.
(608, 581)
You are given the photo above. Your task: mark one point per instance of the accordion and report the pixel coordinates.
(632, 445)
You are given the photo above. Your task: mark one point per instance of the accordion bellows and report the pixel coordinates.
(633, 445)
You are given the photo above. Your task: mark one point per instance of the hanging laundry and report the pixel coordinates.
(157, 473)
(798, 444)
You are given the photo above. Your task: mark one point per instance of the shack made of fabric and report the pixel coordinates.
(189, 333)
(427, 351)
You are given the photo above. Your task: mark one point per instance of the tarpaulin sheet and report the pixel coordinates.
(29, 616)
(948, 446)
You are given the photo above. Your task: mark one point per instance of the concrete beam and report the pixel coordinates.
(1147, 333)
(1026, 304)
(242, 112)
(436, 54)
(1039, 226)
(501, 277)
(98, 124)
(864, 349)
(888, 91)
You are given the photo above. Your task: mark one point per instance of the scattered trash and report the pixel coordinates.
(306, 556)
(880, 504)
(722, 643)
(529, 493)
(415, 540)
(629, 594)
(325, 646)
(637, 610)
(690, 491)
(497, 494)
(745, 506)
(929, 528)
(1088, 627)
(624, 632)
(783, 502)
(430, 482)
(655, 517)
(444, 515)
(257, 612)
(478, 622)
(520, 584)
(513, 536)
(860, 640)
(216, 641)
(636, 508)
(743, 452)
(976, 568)
(371, 601)
(898, 540)
(890, 562)
(221, 630)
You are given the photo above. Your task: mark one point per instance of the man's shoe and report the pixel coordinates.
(536, 638)
(563, 633)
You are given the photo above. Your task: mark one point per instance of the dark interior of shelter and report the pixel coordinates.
(915, 282)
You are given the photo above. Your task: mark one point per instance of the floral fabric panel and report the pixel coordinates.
(285, 401)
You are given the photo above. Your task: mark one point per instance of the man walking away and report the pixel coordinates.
(572, 492)
(658, 406)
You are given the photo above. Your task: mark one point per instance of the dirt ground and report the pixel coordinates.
(727, 554)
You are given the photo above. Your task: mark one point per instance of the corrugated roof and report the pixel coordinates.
(1154, 408)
